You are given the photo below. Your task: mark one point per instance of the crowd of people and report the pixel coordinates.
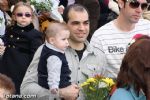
(51, 60)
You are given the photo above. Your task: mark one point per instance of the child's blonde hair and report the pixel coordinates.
(20, 3)
(54, 27)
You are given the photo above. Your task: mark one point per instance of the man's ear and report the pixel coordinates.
(120, 3)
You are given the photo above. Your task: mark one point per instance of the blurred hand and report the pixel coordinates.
(70, 93)
(2, 49)
(61, 9)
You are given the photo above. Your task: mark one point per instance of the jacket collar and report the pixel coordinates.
(89, 49)
(26, 28)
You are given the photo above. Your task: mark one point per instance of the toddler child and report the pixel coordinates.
(53, 69)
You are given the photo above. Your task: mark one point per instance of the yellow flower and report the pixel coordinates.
(91, 80)
(91, 88)
(97, 88)
(84, 84)
(88, 81)
(109, 81)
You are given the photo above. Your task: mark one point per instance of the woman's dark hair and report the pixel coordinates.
(75, 7)
(135, 67)
(12, 2)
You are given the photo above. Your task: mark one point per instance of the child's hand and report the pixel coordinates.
(2, 49)
(1, 42)
(54, 91)
(61, 9)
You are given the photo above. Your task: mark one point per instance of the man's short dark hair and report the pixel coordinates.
(75, 7)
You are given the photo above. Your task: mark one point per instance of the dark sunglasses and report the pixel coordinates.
(23, 14)
(148, 7)
(136, 4)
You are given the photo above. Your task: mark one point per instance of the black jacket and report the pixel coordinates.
(21, 44)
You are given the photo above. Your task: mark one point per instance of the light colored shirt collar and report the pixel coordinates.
(89, 49)
(50, 46)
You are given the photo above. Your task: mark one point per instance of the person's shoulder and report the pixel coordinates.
(1, 13)
(104, 29)
(35, 33)
(143, 21)
(121, 94)
(143, 24)
(10, 28)
(106, 26)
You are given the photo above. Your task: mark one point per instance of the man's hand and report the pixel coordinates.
(69, 93)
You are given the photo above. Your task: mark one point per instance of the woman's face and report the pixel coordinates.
(4, 5)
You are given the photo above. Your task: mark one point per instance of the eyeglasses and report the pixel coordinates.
(148, 7)
(136, 4)
(23, 14)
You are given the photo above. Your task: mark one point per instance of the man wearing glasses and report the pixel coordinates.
(113, 37)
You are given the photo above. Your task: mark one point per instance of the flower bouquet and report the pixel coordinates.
(97, 88)
(42, 5)
(48, 8)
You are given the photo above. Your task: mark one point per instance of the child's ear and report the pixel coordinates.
(51, 40)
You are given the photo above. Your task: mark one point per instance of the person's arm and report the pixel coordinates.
(54, 71)
(30, 85)
(30, 82)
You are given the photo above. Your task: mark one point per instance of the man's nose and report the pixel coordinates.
(81, 26)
